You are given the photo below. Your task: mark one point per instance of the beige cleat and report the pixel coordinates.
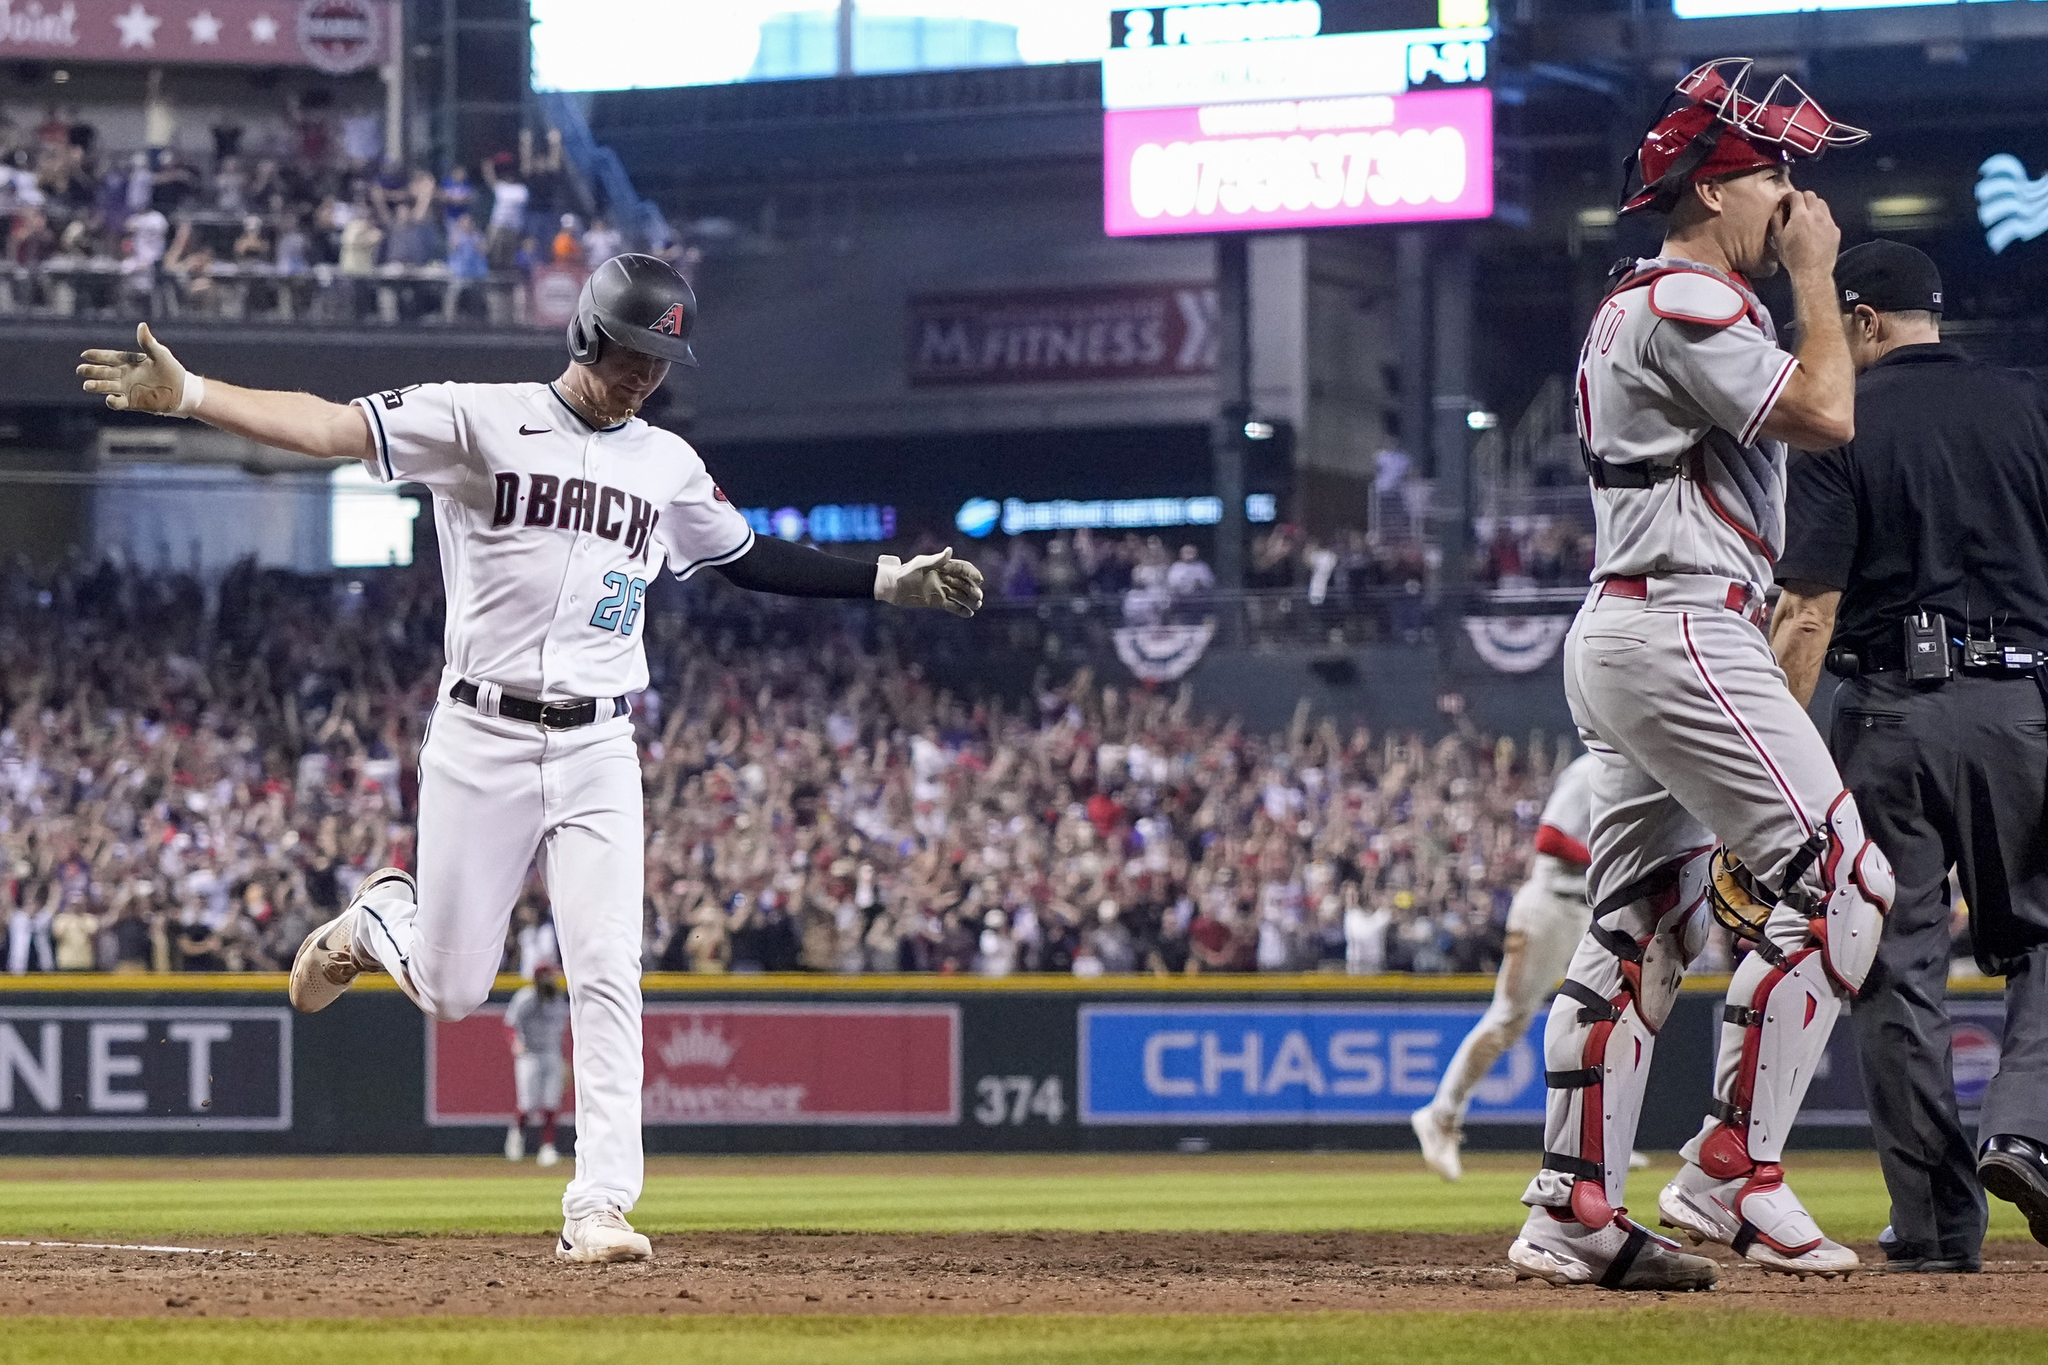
(1756, 1216)
(328, 962)
(1441, 1136)
(1622, 1255)
(603, 1237)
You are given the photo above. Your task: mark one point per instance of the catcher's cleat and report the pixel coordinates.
(603, 1237)
(1440, 1136)
(1758, 1216)
(1622, 1255)
(329, 961)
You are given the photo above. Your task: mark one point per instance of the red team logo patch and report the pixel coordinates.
(670, 323)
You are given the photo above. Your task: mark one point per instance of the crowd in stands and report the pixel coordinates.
(249, 229)
(1153, 576)
(191, 778)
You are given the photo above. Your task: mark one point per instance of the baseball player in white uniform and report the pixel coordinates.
(537, 1018)
(555, 506)
(1685, 408)
(1545, 923)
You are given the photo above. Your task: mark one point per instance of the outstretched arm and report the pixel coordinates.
(150, 379)
(934, 580)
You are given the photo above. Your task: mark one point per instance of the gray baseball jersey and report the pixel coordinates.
(550, 529)
(539, 1022)
(1680, 375)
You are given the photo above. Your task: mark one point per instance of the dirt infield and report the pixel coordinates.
(927, 1273)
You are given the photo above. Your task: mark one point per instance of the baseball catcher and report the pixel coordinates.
(1685, 408)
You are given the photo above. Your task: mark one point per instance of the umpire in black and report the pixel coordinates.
(1916, 570)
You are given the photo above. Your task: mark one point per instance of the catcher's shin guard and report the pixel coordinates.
(1815, 948)
(1602, 1031)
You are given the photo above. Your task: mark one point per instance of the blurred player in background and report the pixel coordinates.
(1545, 923)
(537, 1018)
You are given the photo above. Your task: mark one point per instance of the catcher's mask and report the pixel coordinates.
(1719, 131)
(1738, 900)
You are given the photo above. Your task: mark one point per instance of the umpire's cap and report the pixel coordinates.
(1889, 277)
(638, 302)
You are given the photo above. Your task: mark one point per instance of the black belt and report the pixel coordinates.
(1889, 657)
(553, 715)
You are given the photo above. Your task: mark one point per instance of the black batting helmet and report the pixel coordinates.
(638, 302)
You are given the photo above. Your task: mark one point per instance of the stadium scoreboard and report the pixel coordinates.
(1265, 114)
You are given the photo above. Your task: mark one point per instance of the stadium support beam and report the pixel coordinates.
(1233, 395)
(1451, 433)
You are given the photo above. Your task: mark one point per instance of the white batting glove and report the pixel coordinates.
(936, 580)
(145, 380)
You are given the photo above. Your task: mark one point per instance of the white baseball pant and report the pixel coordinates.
(493, 794)
(1545, 924)
(537, 1082)
(1676, 691)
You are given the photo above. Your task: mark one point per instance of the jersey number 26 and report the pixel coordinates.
(620, 611)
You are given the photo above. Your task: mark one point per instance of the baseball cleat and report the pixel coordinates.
(515, 1144)
(604, 1236)
(1637, 1161)
(1622, 1255)
(2015, 1169)
(548, 1155)
(1757, 1216)
(1440, 1135)
(328, 962)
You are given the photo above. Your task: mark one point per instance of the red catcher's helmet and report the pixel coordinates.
(1720, 131)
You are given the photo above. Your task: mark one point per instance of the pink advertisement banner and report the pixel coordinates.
(1426, 156)
(336, 36)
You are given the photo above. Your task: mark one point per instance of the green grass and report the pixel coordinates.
(1675, 1335)
(1846, 1194)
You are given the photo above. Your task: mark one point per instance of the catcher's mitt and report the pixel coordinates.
(1739, 901)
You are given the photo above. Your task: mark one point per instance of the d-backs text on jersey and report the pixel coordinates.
(577, 505)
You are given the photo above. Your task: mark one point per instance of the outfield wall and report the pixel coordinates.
(192, 1065)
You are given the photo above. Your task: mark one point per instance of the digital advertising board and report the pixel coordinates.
(1292, 114)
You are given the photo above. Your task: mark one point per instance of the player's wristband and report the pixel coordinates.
(193, 395)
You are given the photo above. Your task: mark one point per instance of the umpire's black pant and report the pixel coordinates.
(1949, 776)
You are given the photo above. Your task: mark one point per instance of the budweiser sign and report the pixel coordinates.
(31, 25)
(336, 36)
(732, 1063)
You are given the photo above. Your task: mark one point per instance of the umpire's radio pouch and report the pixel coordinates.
(1925, 642)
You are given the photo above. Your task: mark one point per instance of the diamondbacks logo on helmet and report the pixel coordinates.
(669, 323)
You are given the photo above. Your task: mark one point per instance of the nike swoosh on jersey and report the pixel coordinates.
(524, 430)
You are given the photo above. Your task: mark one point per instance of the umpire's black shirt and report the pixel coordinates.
(1940, 502)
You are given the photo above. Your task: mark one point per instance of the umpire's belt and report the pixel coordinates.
(552, 715)
(1684, 592)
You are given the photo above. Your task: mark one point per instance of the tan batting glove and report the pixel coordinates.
(145, 380)
(936, 580)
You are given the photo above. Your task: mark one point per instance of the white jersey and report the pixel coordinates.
(550, 529)
(1564, 830)
(538, 1021)
(1569, 810)
(1679, 375)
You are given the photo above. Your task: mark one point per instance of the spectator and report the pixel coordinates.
(601, 242)
(253, 246)
(1188, 576)
(74, 930)
(567, 248)
(457, 195)
(29, 240)
(508, 210)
